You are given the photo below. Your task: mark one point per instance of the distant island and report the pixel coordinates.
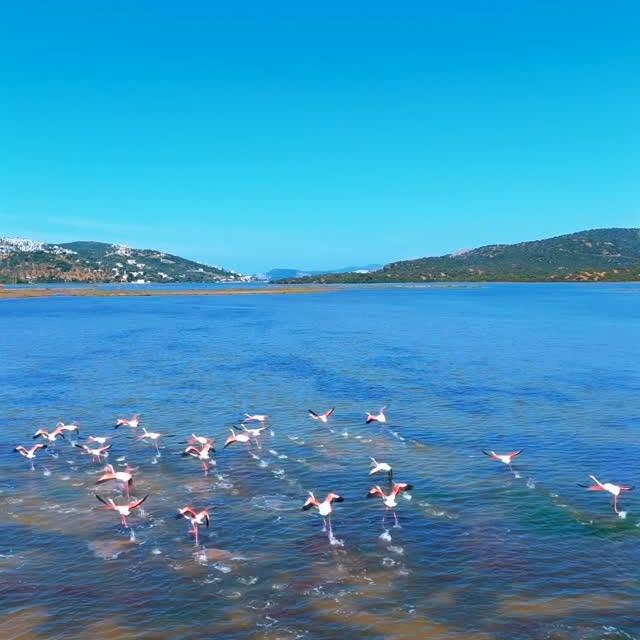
(284, 273)
(29, 261)
(587, 256)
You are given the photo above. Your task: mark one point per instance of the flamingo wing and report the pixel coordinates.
(136, 503)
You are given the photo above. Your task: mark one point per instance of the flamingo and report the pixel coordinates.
(236, 437)
(196, 518)
(124, 477)
(153, 436)
(389, 499)
(133, 421)
(99, 439)
(377, 467)
(324, 508)
(614, 489)
(505, 458)
(30, 454)
(203, 454)
(322, 417)
(123, 510)
(377, 417)
(253, 432)
(50, 436)
(201, 440)
(68, 427)
(255, 417)
(97, 452)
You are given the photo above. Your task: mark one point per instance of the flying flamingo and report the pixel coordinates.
(124, 477)
(203, 454)
(153, 436)
(30, 454)
(133, 421)
(389, 499)
(322, 417)
(377, 417)
(377, 467)
(97, 452)
(505, 458)
(201, 440)
(324, 508)
(99, 439)
(236, 437)
(50, 436)
(614, 489)
(255, 417)
(68, 427)
(254, 433)
(123, 509)
(196, 518)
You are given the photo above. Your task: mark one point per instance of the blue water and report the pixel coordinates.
(483, 552)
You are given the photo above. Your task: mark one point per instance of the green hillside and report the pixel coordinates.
(595, 255)
(25, 261)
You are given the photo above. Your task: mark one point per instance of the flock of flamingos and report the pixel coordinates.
(202, 448)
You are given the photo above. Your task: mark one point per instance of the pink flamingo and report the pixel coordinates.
(322, 417)
(324, 508)
(614, 489)
(377, 417)
(196, 518)
(389, 499)
(123, 510)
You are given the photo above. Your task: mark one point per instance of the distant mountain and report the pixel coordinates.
(25, 261)
(279, 274)
(598, 254)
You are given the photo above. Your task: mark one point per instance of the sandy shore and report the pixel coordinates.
(14, 294)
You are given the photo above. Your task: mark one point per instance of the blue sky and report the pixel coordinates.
(317, 135)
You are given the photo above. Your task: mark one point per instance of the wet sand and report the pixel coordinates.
(45, 292)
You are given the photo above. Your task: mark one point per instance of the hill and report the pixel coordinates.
(598, 254)
(281, 274)
(26, 261)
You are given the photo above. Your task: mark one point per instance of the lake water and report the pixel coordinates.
(483, 552)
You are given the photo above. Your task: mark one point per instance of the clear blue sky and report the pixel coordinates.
(317, 134)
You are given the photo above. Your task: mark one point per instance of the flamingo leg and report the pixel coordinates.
(395, 517)
(195, 531)
(615, 504)
(330, 528)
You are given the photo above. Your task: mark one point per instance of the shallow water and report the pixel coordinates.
(482, 552)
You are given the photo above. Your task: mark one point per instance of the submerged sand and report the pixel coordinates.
(13, 294)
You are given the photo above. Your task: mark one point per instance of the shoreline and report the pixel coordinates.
(47, 292)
